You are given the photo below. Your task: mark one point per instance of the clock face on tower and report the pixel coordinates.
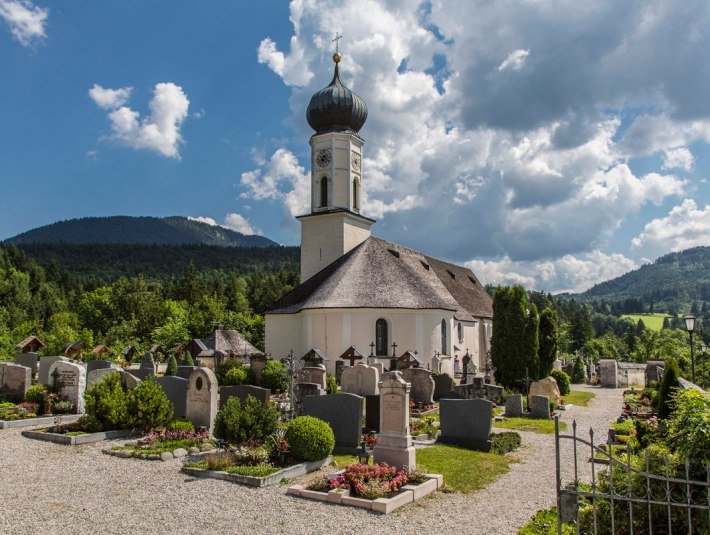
(356, 161)
(323, 158)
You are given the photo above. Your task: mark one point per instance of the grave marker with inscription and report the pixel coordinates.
(201, 407)
(15, 380)
(72, 382)
(394, 443)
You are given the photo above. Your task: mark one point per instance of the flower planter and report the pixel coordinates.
(40, 420)
(253, 481)
(406, 495)
(74, 440)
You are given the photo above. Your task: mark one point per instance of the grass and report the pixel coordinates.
(651, 321)
(340, 461)
(464, 471)
(254, 471)
(544, 522)
(543, 427)
(578, 398)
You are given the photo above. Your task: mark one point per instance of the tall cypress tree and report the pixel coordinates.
(531, 342)
(549, 337)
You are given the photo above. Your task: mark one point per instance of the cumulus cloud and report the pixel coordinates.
(232, 221)
(685, 226)
(201, 219)
(680, 158)
(515, 60)
(160, 131)
(27, 22)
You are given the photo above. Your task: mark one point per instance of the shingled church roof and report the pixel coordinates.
(381, 274)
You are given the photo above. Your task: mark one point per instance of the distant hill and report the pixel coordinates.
(676, 278)
(175, 230)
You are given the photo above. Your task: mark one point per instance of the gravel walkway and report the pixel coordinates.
(49, 488)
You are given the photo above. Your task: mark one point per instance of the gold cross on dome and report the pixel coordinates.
(338, 37)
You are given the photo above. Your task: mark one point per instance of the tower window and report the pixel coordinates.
(381, 336)
(324, 192)
(460, 328)
(444, 339)
(356, 194)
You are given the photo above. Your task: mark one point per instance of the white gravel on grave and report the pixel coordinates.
(50, 488)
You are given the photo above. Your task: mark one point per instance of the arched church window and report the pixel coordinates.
(460, 328)
(381, 336)
(324, 192)
(356, 194)
(444, 341)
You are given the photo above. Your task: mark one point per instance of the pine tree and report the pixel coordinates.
(548, 337)
(172, 366)
(187, 359)
(640, 327)
(668, 384)
(578, 376)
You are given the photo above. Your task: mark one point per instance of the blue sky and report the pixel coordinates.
(538, 142)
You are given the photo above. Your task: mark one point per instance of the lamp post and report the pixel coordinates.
(690, 327)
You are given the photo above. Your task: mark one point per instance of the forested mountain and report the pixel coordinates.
(175, 230)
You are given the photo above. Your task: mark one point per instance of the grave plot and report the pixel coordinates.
(175, 441)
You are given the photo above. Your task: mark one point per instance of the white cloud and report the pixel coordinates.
(109, 99)
(159, 131)
(293, 69)
(685, 226)
(206, 220)
(240, 224)
(680, 158)
(27, 22)
(515, 60)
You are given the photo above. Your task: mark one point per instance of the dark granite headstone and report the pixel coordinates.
(539, 406)
(466, 422)
(443, 384)
(242, 391)
(97, 365)
(452, 394)
(185, 371)
(143, 373)
(176, 390)
(514, 405)
(343, 412)
(372, 413)
(28, 360)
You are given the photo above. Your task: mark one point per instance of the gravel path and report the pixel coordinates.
(49, 488)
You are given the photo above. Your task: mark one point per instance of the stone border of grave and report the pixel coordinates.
(40, 420)
(177, 453)
(406, 495)
(289, 473)
(75, 440)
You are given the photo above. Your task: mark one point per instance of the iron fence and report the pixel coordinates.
(624, 495)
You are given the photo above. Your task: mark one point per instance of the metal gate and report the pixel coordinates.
(621, 497)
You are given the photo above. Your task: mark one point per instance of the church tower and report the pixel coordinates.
(335, 224)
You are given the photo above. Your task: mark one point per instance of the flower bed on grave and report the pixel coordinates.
(422, 409)
(425, 427)
(178, 440)
(380, 488)
(41, 406)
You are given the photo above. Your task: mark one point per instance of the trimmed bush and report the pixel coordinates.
(273, 377)
(148, 406)
(172, 366)
(180, 424)
(235, 376)
(668, 385)
(107, 403)
(310, 439)
(331, 385)
(237, 422)
(578, 376)
(562, 380)
(502, 443)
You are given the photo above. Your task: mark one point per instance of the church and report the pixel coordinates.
(362, 295)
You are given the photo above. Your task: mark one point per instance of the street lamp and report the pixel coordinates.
(690, 327)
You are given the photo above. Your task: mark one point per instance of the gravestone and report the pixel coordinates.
(422, 384)
(539, 406)
(360, 379)
(514, 405)
(128, 380)
(557, 365)
(15, 380)
(343, 412)
(201, 407)
(147, 360)
(372, 413)
(466, 422)
(263, 395)
(28, 360)
(97, 375)
(143, 373)
(44, 364)
(443, 383)
(185, 371)
(312, 374)
(608, 373)
(546, 387)
(452, 394)
(303, 390)
(257, 365)
(394, 443)
(97, 365)
(175, 389)
(72, 382)
(377, 364)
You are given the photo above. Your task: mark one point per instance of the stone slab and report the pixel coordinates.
(28, 360)
(241, 392)
(514, 406)
(72, 382)
(40, 421)
(75, 440)
(343, 412)
(539, 406)
(372, 413)
(15, 380)
(360, 379)
(466, 422)
(175, 389)
(422, 385)
(443, 384)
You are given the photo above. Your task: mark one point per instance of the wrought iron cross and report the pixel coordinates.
(394, 349)
(338, 37)
(527, 381)
(372, 349)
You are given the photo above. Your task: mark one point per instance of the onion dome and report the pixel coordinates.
(335, 108)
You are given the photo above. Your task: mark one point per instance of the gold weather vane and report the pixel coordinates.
(337, 56)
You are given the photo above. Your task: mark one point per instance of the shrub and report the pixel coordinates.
(688, 425)
(502, 443)
(172, 366)
(273, 377)
(237, 422)
(148, 406)
(544, 522)
(331, 385)
(225, 367)
(578, 376)
(180, 424)
(562, 380)
(310, 439)
(235, 376)
(219, 460)
(88, 423)
(37, 394)
(63, 407)
(668, 384)
(107, 403)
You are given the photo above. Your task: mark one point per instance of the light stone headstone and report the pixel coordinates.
(343, 412)
(360, 379)
(15, 380)
(394, 443)
(609, 373)
(98, 374)
(201, 407)
(72, 382)
(443, 383)
(514, 406)
(44, 364)
(175, 389)
(546, 387)
(539, 406)
(29, 360)
(466, 422)
(422, 384)
(312, 374)
(379, 366)
(558, 365)
(262, 395)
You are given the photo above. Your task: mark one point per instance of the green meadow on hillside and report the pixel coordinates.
(651, 321)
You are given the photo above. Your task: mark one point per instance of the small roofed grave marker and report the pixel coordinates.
(422, 384)
(314, 357)
(394, 443)
(70, 380)
(15, 380)
(360, 379)
(201, 406)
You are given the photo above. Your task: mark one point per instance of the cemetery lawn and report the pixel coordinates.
(535, 425)
(579, 398)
